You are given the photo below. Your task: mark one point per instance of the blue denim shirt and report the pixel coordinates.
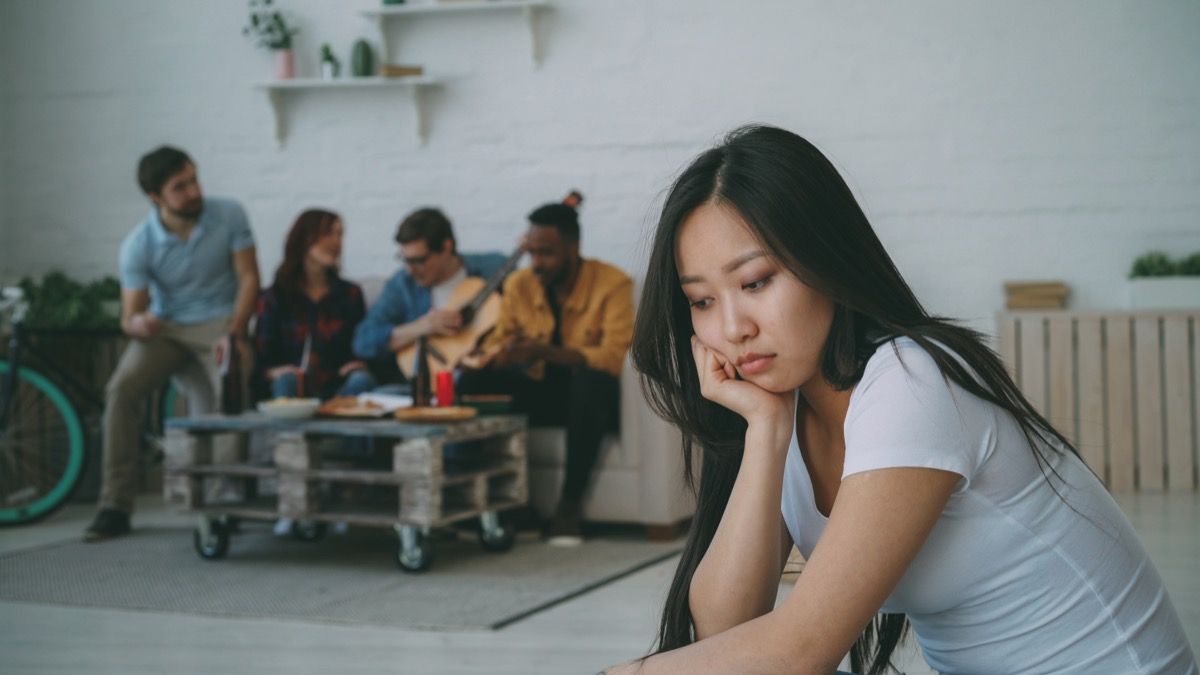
(404, 300)
(189, 281)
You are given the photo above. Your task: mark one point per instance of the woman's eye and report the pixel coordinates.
(758, 284)
(701, 303)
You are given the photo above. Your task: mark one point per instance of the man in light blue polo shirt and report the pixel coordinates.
(189, 280)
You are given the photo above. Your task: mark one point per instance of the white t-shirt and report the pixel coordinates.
(440, 294)
(1011, 579)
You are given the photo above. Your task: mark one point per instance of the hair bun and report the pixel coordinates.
(574, 199)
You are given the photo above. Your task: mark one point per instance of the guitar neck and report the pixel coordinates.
(494, 282)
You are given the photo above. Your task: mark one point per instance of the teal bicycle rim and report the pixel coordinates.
(62, 488)
(169, 400)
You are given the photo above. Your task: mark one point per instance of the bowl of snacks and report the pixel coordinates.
(289, 408)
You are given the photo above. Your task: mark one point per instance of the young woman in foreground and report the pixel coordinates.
(887, 444)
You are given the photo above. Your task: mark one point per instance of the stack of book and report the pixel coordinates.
(1035, 294)
(394, 70)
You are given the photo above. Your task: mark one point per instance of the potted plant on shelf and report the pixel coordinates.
(330, 66)
(1157, 282)
(271, 31)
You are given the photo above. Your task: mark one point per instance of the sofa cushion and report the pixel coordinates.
(548, 448)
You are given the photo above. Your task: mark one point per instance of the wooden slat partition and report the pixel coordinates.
(1124, 387)
(1147, 398)
(1060, 376)
(1032, 364)
(1196, 397)
(1178, 405)
(1118, 401)
(1091, 394)
(1008, 347)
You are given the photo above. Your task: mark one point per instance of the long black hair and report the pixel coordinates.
(798, 206)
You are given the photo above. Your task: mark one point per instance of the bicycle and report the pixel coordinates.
(43, 447)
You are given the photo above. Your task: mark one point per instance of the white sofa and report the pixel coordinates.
(638, 476)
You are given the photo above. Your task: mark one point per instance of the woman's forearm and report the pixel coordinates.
(738, 578)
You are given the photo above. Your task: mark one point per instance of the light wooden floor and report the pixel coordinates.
(608, 625)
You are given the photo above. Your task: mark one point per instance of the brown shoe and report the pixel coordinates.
(109, 523)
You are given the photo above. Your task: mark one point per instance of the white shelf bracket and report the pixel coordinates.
(535, 43)
(275, 97)
(385, 52)
(418, 98)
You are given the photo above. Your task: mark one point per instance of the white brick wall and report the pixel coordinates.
(7, 69)
(1016, 140)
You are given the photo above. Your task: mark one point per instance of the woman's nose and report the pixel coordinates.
(737, 325)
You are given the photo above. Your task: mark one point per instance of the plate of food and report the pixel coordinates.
(289, 408)
(351, 406)
(451, 413)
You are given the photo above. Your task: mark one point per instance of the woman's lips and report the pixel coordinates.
(752, 364)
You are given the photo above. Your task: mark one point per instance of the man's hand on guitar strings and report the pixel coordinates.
(443, 321)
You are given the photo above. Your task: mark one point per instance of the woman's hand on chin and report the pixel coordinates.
(719, 384)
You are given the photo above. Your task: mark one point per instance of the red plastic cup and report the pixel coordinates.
(445, 388)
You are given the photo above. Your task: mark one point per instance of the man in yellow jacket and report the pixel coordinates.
(565, 327)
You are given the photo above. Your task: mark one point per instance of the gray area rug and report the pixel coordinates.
(349, 579)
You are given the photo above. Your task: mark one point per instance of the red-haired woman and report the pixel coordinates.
(306, 319)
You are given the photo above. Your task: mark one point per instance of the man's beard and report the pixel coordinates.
(549, 280)
(190, 211)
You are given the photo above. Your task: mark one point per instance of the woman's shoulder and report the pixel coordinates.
(905, 412)
(902, 374)
(901, 357)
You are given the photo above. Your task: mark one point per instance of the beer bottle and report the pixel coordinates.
(421, 390)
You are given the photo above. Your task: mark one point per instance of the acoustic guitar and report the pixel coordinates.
(476, 300)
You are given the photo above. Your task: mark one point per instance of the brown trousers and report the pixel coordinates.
(183, 354)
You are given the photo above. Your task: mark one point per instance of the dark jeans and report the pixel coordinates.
(583, 400)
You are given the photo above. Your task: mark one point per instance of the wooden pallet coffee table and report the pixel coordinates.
(422, 489)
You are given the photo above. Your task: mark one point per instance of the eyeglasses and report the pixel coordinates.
(415, 261)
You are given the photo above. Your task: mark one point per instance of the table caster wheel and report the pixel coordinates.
(211, 539)
(414, 553)
(308, 530)
(496, 534)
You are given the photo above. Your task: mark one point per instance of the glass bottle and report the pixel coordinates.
(420, 382)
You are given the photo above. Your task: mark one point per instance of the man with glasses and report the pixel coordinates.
(412, 303)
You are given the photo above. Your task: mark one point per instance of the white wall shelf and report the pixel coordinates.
(277, 89)
(529, 8)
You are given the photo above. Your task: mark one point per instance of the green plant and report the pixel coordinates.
(268, 27)
(1153, 264)
(327, 55)
(59, 301)
(1190, 266)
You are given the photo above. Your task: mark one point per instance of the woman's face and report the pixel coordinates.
(326, 251)
(745, 305)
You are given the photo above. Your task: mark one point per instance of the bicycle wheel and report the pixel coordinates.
(41, 449)
(169, 405)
